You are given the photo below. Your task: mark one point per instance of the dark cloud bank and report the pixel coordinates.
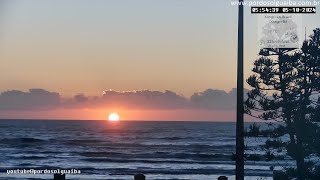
(39, 99)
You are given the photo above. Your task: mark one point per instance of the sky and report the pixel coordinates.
(63, 50)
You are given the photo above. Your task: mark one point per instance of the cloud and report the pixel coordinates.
(33, 99)
(81, 98)
(39, 99)
(214, 99)
(146, 99)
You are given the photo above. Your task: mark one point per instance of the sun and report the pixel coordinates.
(114, 117)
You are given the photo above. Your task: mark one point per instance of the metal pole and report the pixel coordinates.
(240, 106)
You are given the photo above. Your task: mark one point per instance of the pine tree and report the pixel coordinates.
(285, 87)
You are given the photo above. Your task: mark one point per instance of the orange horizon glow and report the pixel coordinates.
(126, 114)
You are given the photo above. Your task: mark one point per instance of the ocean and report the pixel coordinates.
(118, 150)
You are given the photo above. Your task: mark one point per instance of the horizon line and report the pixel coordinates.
(38, 119)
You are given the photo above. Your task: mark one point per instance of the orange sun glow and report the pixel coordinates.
(113, 117)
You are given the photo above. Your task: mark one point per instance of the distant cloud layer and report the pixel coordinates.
(34, 99)
(39, 99)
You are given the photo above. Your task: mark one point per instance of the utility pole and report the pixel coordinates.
(240, 100)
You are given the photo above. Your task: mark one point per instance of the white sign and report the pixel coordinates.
(280, 30)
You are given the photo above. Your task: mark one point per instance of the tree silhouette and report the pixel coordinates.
(285, 88)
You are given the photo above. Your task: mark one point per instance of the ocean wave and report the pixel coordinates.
(126, 131)
(173, 138)
(168, 155)
(154, 161)
(202, 171)
(31, 157)
(82, 141)
(21, 140)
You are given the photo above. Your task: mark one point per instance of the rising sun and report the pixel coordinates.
(114, 117)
